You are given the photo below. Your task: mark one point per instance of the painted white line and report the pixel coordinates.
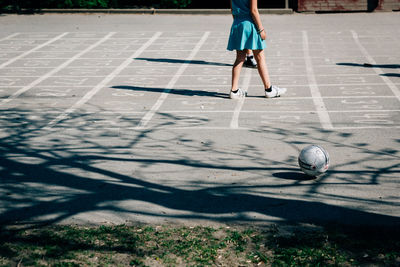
(333, 97)
(103, 83)
(311, 112)
(50, 86)
(34, 66)
(149, 115)
(245, 86)
(205, 86)
(9, 37)
(32, 50)
(279, 111)
(194, 128)
(199, 128)
(55, 70)
(378, 70)
(364, 111)
(247, 128)
(351, 97)
(168, 75)
(366, 127)
(222, 64)
(315, 93)
(281, 84)
(96, 76)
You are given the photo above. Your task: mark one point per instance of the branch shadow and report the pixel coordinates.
(48, 177)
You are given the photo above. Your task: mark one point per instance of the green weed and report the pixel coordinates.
(197, 246)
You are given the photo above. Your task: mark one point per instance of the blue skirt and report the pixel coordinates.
(244, 35)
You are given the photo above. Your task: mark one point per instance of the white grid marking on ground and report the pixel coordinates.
(192, 128)
(32, 50)
(313, 66)
(9, 37)
(221, 111)
(167, 75)
(102, 84)
(316, 94)
(225, 85)
(245, 86)
(367, 127)
(378, 70)
(149, 115)
(55, 70)
(274, 57)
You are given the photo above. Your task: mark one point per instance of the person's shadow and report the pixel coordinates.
(368, 65)
(185, 92)
(382, 66)
(183, 61)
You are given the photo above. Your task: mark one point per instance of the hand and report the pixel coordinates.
(263, 35)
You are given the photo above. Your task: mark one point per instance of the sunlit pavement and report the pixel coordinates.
(126, 119)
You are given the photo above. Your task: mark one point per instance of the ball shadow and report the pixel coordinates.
(297, 176)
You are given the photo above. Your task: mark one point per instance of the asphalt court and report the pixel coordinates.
(135, 124)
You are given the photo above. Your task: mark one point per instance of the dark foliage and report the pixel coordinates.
(17, 5)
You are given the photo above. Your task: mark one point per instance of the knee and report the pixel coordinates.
(241, 57)
(239, 61)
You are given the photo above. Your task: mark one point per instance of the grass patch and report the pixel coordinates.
(124, 245)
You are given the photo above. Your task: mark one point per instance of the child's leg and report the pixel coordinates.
(248, 52)
(237, 67)
(250, 61)
(262, 67)
(270, 91)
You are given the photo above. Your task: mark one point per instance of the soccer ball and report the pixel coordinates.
(314, 160)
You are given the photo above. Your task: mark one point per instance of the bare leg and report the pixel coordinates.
(262, 67)
(248, 52)
(237, 67)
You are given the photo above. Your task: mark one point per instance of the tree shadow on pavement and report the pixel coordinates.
(77, 168)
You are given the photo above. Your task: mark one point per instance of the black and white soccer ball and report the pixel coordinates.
(314, 160)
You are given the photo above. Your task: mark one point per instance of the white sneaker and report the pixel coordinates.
(239, 94)
(276, 92)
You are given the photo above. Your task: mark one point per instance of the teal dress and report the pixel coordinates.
(244, 33)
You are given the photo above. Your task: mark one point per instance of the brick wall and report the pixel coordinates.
(347, 5)
(332, 5)
(388, 5)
